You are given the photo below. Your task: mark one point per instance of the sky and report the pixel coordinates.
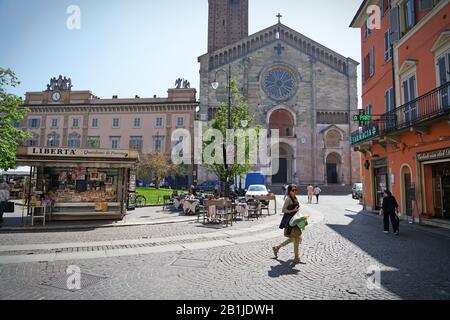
(139, 47)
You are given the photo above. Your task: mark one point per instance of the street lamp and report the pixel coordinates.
(215, 85)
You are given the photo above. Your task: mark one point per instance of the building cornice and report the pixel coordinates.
(178, 107)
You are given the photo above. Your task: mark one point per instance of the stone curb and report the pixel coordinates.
(87, 226)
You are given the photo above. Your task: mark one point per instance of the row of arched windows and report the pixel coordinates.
(316, 51)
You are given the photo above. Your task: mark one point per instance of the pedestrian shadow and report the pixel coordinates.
(283, 269)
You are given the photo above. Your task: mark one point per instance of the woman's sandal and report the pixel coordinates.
(275, 251)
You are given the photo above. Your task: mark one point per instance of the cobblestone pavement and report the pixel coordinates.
(339, 250)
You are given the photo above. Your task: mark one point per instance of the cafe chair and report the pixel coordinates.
(253, 208)
(167, 202)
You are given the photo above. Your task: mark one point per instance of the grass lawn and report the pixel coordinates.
(155, 196)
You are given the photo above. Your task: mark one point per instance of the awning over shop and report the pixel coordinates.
(19, 171)
(76, 158)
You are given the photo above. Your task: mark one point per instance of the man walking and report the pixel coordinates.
(390, 210)
(317, 192)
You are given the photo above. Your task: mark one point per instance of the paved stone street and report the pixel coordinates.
(187, 260)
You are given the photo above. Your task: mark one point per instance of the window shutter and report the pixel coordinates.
(391, 93)
(395, 24)
(386, 101)
(413, 13)
(442, 71)
(363, 69)
(412, 87)
(387, 45)
(372, 62)
(405, 92)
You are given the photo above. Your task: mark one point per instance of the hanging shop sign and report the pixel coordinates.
(82, 153)
(434, 155)
(365, 134)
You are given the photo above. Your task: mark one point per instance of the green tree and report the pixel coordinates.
(155, 167)
(239, 112)
(10, 113)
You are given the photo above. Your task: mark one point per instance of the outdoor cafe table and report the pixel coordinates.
(190, 205)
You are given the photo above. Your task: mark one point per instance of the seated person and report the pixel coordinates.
(216, 194)
(190, 196)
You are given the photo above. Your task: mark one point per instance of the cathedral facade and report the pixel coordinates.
(291, 83)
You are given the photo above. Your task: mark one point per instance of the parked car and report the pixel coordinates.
(357, 190)
(208, 186)
(257, 190)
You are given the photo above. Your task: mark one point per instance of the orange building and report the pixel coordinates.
(406, 88)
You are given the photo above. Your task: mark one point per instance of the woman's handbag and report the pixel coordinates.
(7, 207)
(296, 232)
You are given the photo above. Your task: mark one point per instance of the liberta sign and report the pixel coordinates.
(82, 153)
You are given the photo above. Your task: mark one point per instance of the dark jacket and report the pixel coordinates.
(288, 209)
(389, 204)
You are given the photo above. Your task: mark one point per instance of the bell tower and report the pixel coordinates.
(227, 22)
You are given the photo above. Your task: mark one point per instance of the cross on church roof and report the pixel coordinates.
(279, 16)
(279, 49)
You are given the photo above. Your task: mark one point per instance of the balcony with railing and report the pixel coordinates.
(417, 112)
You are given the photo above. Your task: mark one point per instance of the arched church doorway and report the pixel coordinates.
(286, 159)
(333, 163)
(282, 120)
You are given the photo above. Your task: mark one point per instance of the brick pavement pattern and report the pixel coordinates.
(338, 251)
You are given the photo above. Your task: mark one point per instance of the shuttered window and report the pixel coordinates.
(387, 45)
(389, 100)
(372, 62)
(410, 16)
(394, 18)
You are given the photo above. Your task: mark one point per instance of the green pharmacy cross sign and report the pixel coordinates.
(365, 134)
(362, 118)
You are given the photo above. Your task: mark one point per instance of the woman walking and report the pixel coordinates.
(310, 191)
(290, 208)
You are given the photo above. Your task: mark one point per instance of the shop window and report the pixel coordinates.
(83, 186)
